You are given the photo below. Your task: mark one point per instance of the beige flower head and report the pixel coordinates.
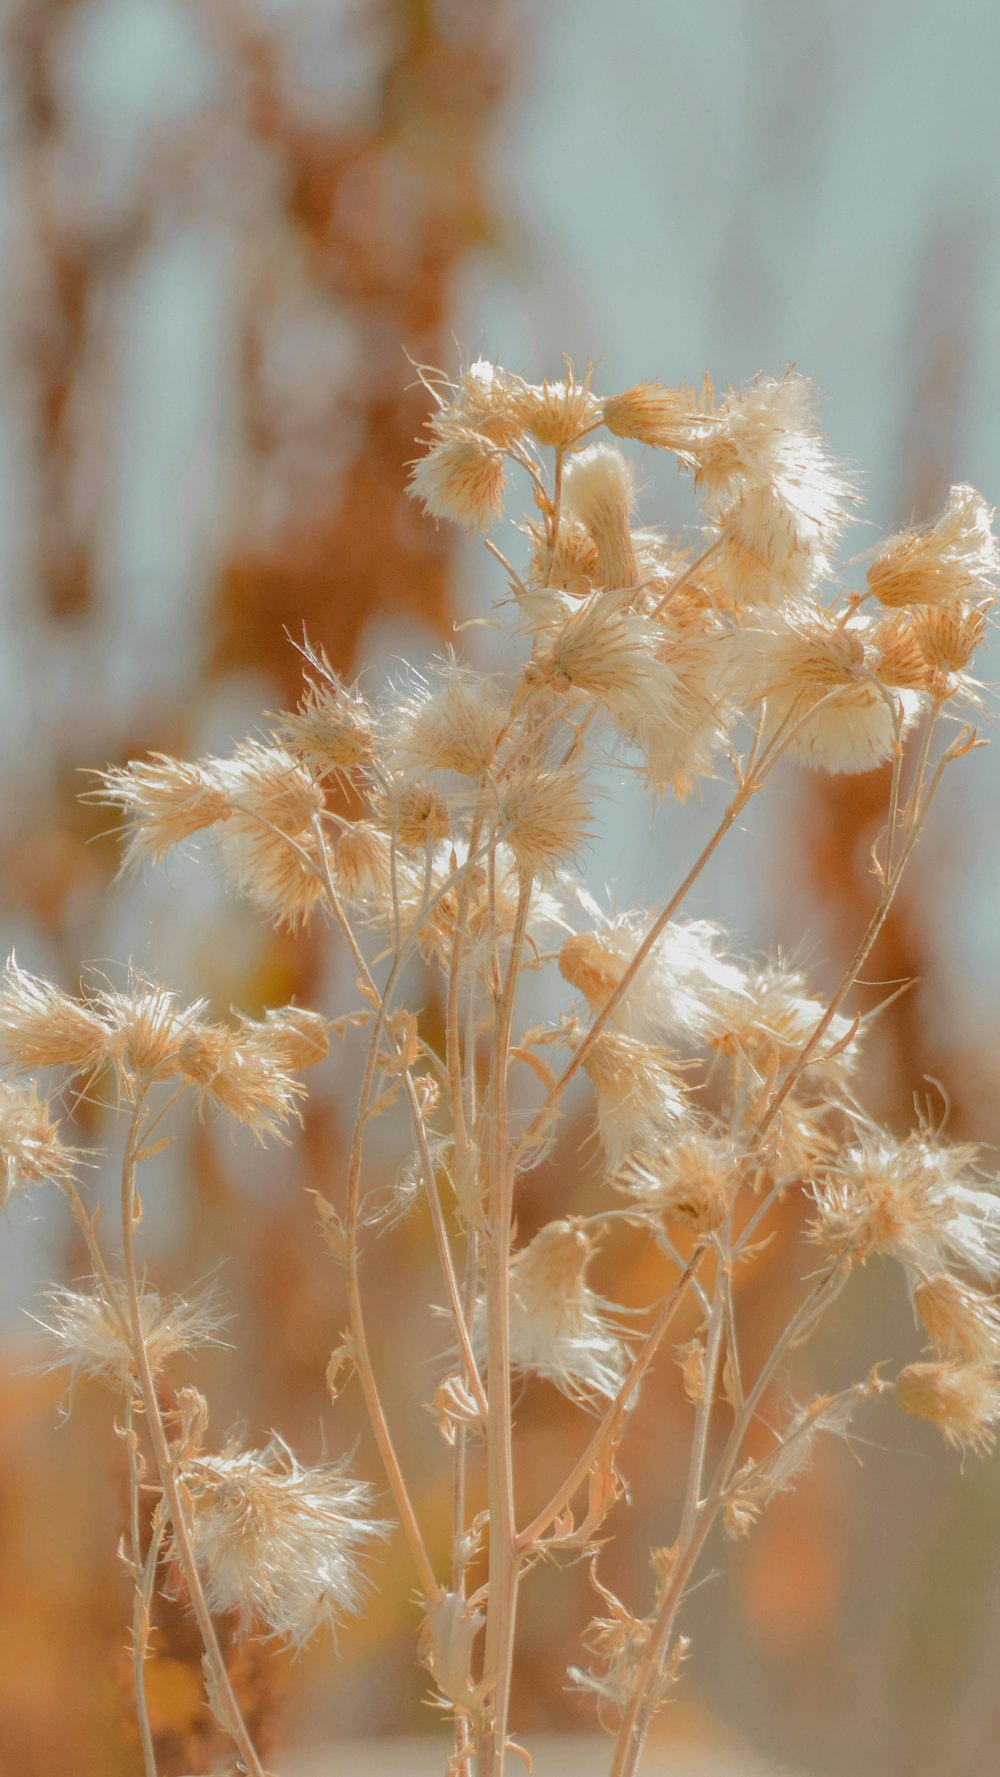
(957, 559)
(559, 1328)
(30, 1149)
(461, 478)
(92, 1330)
(919, 1201)
(333, 729)
(671, 419)
(41, 1026)
(277, 1542)
(961, 1400)
(599, 491)
(558, 413)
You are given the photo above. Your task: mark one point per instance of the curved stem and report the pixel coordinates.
(142, 1573)
(214, 1662)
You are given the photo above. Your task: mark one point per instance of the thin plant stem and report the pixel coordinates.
(227, 1706)
(140, 1593)
(504, 1559)
(607, 1432)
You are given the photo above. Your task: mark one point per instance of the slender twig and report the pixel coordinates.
(231, 1716)
(504, 1559)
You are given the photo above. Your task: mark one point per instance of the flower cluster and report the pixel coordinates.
(442, 830)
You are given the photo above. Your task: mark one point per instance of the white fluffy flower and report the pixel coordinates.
(278, 1542)
(684, 989)
(559, 1328)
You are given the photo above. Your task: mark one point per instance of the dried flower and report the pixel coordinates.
(558, 413)
(454, 723)
(461, 478)
(640, 1099)
(93, 1331)
(246, 1072)
(147, 1028)
(30, 1149)
(413, 812)
(605, 650)
(364, 862)
(653, 414)
(917, 1200)
(41, 1026)
(278, 1542)
(333, 728)
(683, 990)
(166, 800)
(961, 1322)
(559, 1328)
(545, 817)
(598, 491)
(693, 1178)
(962, 1400)
(958, 558)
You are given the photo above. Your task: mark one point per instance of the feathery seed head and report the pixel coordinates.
(558, 413)
(607, 651)
(267, 784)
(147, 1028)
(278, 1542)
(692, 1178)
(41, 1026)
(166, 800)
(93, 1333)
(763, 434)
(962, 1324)
(958, 558)
(599, 491)
(898, 654)
(245, 1073)
(296, 1036)
(918, 1200)
(640, 1098)
(461, 478)
(484, 400)
(364, 862)
(545, 818)
(854, 730)
(333, 728)
(962, 1400)
(456, 724)
(682, 990)
(413, 812)
(574, 565)
(806, 661)
(559, 1328)
(770, 551)
(948, 637)
(780, 1019)
(650, 413)
(30, 1149)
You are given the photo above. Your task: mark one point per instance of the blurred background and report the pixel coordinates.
(223, 223)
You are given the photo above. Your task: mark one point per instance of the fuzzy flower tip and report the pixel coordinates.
(30, 1149)
(918, 1201)
(92, 1331)
(961, 1400)
(957, 558)
(683, 990)
(559, 1328)
(41, 1026)
(462, 479)
(276, 1542)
